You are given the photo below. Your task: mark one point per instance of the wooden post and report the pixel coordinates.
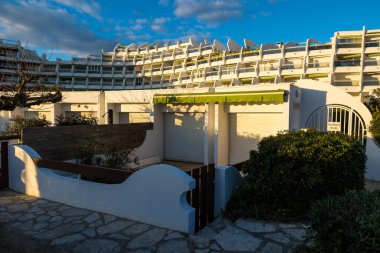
(4, 178)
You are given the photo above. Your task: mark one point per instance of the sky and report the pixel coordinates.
(66, 28)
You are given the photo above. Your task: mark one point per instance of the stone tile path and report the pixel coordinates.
(75, 230)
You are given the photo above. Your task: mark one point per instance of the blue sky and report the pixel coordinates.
(66, 28)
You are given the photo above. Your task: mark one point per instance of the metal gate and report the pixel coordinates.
(338, 118)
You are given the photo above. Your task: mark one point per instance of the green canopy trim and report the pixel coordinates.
(351, 56)
(275, 96)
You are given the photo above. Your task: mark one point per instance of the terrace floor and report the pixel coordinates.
(29, 224)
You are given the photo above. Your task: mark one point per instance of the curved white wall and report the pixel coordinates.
(155, 195)
(316, 94)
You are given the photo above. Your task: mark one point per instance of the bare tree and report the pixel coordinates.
(22, 82)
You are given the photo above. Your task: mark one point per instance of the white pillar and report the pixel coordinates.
(221, 135)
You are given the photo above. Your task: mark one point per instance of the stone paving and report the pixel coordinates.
(78, 230)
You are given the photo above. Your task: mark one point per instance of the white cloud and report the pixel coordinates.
(158, 24)
(209, 12)
(92, 8)
(40, 24)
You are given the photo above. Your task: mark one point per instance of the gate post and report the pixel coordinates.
(4, 178)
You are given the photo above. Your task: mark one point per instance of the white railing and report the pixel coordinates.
(291, 66)
(247, 70)
(318, 64)
(228, 71)
(372, 62)
(346, 82)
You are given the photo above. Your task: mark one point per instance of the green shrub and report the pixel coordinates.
(292, 170)
(348, 223)
(90, 119)
(18, 123)
(374, 127)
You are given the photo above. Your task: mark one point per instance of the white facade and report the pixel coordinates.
(350, 60)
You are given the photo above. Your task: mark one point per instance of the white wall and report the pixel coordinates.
(155, 195)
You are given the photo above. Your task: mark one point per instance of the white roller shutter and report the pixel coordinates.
(184, 137)
(247, 129)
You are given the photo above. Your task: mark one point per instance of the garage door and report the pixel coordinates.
(247, 129)
(184, 137)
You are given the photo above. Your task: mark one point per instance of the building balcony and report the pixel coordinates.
(349, 48)
(272, 54)
(324, 49)
(375, 43)
(371, 82)
(295, 52)
(228, 73)
(372, 66)
(346, 82)
(212, 76)
(292, 69)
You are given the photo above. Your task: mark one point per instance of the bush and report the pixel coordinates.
(374, 127)
(292, 170)
(90, 119)
(348, 223)
(18, 123)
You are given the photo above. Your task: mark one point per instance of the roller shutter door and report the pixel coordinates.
(184, 137)
(247, 129)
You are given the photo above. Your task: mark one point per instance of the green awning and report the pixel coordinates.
(350, 56)
(275, 96)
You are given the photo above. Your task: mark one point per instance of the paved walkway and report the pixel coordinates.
(29, 224)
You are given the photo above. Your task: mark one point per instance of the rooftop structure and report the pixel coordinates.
(351, 60)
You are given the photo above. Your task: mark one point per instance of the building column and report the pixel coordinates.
(221, 135)
(209, 130)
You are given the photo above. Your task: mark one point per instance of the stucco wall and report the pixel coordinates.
(155, 195)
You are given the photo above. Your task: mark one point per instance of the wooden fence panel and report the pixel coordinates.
(4, 178)
(62, 143)
(202, 196)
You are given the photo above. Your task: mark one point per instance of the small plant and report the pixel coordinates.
(292, 170)
(118, 159)
(348, 223)
(18, 123)
(79, 119)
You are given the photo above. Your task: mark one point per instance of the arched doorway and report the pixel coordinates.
(338, 118)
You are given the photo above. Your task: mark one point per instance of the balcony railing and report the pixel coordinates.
(372, 62)
(247, 70)
(251, 53)
(272, 51)
(168, 68)
(346, 63)
(294, 49)
(268, 68)
(107, 83)
(178, 67)
(318, 64)
(232, 56)
(346, 82)
(107, 72)
(291, 66)
(185, 77)
(79, 59)
(228, 71)
(371, 82)
(156, 82)
(319, 47)
(94, 71)
(79, 71)
(217, 59)
(375, 43)
(202, 61)
(79, 82)
(118, 72)
(156, 69)
(349, 45)
(192, 50)
(212, 73)
(65, 70)
(190, 64)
